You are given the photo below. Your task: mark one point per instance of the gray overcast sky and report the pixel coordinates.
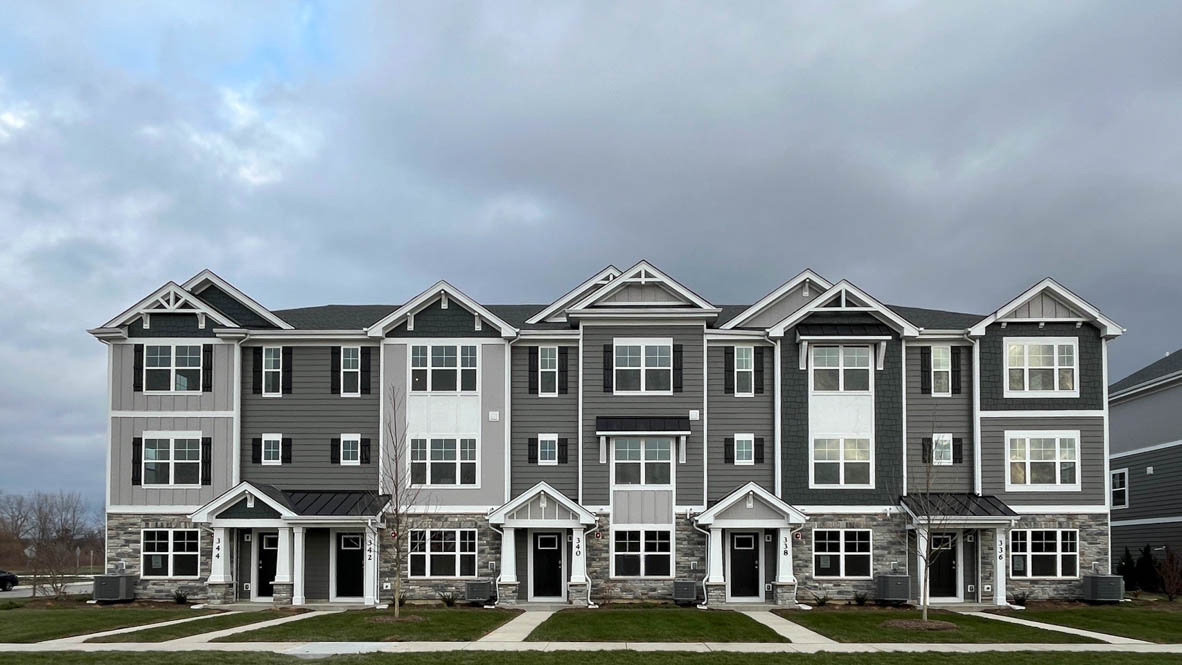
(937, 154)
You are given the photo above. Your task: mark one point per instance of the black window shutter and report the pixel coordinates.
(728, 370)
(365, 451)
(137, 379)
(677, 353)
(366, 356)
(137, 458)
(956, 370)
(926, 453)
(563, 369)
(531, 455)
(533, 370)
(285, 450)
(207, 368)
(256, 370)
(607, 368)
(286, 375)
(957, 450)
(563, 447)
(206, 462)
(728, 450)
(334, 454)
(759, 370)
(256, 451)
(925, 370)
(334, 366)
(759, 450)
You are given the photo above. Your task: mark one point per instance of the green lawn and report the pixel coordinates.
(165, 633)
(864, 625)
(436, 625)
(651, 625)
(1162, 623)
(36, 625)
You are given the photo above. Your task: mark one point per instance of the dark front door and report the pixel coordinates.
(350, 565)
(547, 568)
(744, 573)
(268, 557)
(943, 568)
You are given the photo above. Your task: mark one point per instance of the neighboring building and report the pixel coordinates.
(1146, 458)
(626, 435)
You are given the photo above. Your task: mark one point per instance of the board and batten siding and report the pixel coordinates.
(729, 415)
(596, 402)
(124, 429)
(1151, 494)
(311, 415)
(537, 414)
(1146, 420)
(124, 398)
(1093, 483)
(928, 415)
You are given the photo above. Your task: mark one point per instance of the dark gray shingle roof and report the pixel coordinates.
(937, 319)
(334, 317)
(1155, 370)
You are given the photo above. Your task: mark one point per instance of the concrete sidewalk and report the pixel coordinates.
(519, 627)
(204, 638)
(1103, 637)
(75, 639)
(794, 632)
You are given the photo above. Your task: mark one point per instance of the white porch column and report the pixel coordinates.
(921, 548)
(297, 592)
(716, 575)
(578, 564)
(509, 556)
(283, 558)
(784, 573)
(999, 566)
(369, 575)
(221, 572)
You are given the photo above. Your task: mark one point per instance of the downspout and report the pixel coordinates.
(497, 582)
(706, 576)
(590, 605)
(796, 587)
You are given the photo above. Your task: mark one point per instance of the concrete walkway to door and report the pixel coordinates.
(518, 628)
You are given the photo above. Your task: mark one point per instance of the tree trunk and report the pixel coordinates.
(397, 583)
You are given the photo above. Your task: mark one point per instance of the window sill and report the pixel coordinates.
(447, 487)
(1042, 394)
(269, 395)
(172, 487)
(631, 488)
(172, 392)
(443, 577)
(450, 393)
(643, 578)
(863, 393)
(643, 393)
(266, 463)
(825, 577)
(1020, 578)
(554, 463)
(1042, 488)
(156, 577)
(840, 487)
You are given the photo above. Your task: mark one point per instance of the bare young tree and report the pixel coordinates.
(1169, 572)
(931, 514)
(397, 481)
(58, 526)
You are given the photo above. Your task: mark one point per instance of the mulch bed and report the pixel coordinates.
(918, 624)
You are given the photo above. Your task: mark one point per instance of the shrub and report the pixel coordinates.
(860, 597)
(1127, 568)
(180, 597)
(1020, 598)
(1146, 568)
(448, 598)
(1169, 574)
(821, 599)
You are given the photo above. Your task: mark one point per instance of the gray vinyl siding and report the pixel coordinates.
(927, 415)
(311, 416)
(1138, 536)
(123, 430)
(172, 325)
(535, 414)
(1090, 361)
(596, 402)
(124, 398)
(455, 321)
(1092, 480)
(728, 415)
(316, 564)
(786, 305)
(1146, 420)
(1151, 495)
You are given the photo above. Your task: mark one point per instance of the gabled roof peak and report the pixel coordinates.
(436, 290)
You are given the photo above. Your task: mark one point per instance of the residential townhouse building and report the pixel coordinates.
(626, 435)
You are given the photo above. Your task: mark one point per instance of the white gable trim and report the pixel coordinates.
(170, 296)
(206, 513)
(1109, 327)
(790, 513)
(806, 275)
(498, 516)
(601, 278)
(631, 276)
(208, 276)
(905, 327)
(440, 288)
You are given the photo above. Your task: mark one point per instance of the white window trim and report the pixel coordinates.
(275, 436)
(428, 485)
(543, 372)
(171, 437)
(355, 437)
(346, 371)
(746, 436)
(279, 372)
(841, 486)
(1058, 555)
(937, 439)
(173, 368)
(812, 354)
(1026, 341)
(541, 460)
(170, 553)
(642, 342)
(1044, 434)
(932, 378)
(642, 528)
(1124, 472)
(841, 556)
(475, 553)
(458, 343)
(611, 444)
(735, 378)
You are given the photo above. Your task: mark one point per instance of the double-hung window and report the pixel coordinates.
(443, 553)
(272, 370)
(841, 553)
(351, 449)
(643, 461)
(941, 449)
(443, 461)
(172, 368)
(170, 553)
(351, 370)
(272, 449)
(172, 459)
(841, 369)
(745, 449)
(443, 368)
(1042, 367)
(548, 370)
(1046, 461)
(842, 462)
(547, 449)
(744, 371)
(1044, 553)
(941, 371)
(642, 553)
(644, 366)
(1120, 488)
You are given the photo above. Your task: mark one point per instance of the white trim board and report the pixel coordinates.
(1109, 327)
(172, 414)
(1063, 413)
(1146, 449)
(609, 273)
(1096, 509)
(806, 275)
(1147, 521)
(440, 288)
(208, 275)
